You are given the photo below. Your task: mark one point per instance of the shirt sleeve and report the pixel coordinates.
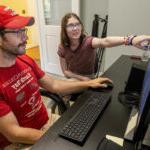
(61, 51)
(37, 70)
(88, 42)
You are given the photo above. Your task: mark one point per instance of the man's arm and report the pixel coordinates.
(63, 86)
(10, 128)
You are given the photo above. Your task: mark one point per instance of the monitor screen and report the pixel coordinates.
(144, 104)
(146, 89)
(138, 117)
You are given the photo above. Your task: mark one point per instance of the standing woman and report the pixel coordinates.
(77, 50)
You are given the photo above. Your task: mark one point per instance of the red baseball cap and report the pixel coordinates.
(10, 19)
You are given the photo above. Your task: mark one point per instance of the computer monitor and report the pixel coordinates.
(137, 73)
(136, 124)
(144, 106)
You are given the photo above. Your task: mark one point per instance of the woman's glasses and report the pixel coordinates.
(72, 26)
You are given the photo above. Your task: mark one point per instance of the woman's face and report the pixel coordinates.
(73, 28)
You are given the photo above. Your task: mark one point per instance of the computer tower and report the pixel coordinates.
(136, 77)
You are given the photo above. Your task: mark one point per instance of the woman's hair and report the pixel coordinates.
(64, 37)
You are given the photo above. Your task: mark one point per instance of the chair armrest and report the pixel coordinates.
(59, 101)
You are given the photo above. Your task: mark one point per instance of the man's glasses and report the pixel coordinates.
(73, 26)
(19, 33)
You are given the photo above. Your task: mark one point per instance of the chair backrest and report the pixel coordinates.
(58, 100)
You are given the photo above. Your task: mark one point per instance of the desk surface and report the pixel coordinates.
(113, 121)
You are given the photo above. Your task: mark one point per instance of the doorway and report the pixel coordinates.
(49, 14)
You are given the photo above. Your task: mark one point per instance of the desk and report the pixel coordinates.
(113, 121)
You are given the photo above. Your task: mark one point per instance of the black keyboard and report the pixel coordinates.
(77, 129)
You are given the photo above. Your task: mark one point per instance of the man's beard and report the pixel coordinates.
(14, 50)
(9, 49)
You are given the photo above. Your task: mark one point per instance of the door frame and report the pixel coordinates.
(42, 28)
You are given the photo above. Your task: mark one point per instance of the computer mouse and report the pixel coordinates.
(109, 85)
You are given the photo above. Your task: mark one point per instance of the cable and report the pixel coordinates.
(100, 143)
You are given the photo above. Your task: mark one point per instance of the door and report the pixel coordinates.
(49, 14)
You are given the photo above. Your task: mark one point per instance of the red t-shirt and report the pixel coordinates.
(19, 93)
(82, 60)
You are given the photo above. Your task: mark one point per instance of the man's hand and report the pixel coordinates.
(99, 82)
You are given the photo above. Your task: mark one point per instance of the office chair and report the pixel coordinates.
(58, 101)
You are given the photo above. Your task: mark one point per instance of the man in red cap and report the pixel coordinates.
(22, 112)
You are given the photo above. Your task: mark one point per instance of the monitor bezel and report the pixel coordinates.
(141, 120)
(142, 116)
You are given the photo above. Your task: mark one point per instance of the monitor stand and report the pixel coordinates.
(130, 130)
(146, 140)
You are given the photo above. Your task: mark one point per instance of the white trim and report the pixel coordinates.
(32, 12)
(76, 7)
(41, 27)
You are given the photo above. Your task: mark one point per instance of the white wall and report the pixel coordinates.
(91, 7)
(126, 17)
